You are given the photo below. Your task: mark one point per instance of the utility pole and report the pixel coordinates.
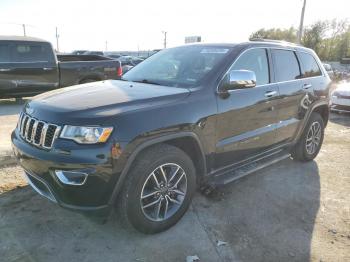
(57, 36)
(164, 32)
(300, 32)
(24, 29)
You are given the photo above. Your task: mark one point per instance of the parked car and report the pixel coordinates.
(129, 62)
(329, 70)
(93, 53)
(199, 115)
(29, 66)
(78, 52)
(340, 100)
(113, 55)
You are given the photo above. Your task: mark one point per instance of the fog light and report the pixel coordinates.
(74, 178)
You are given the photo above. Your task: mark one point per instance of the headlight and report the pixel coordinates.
(86, 135)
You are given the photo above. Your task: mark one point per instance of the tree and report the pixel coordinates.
(289, 35)
(329, 39)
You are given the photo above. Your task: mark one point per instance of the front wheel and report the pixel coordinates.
(158, 190)
(311, 140)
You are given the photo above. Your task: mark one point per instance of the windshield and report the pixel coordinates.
(179, 67)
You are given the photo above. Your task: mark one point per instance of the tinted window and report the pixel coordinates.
(310, 66)
(254, 60)
(4, 53)
(32, 52)
(286, 65)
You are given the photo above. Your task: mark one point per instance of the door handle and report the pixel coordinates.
(47, 68)
(307, 86)
(270, 93)
(5, 69)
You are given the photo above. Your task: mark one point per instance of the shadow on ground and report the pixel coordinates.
(268, 216)
(340, 118)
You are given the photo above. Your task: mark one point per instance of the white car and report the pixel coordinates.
(340, 99)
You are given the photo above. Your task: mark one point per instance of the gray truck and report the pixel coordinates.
(29, 66)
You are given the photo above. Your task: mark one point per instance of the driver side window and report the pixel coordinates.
(254, 60)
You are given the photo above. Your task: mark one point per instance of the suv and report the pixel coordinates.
(198, 115)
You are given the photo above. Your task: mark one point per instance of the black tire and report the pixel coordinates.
(300, 151)
(148, 162)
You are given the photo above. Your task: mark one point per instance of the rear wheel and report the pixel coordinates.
(158, 189)
(311, 140)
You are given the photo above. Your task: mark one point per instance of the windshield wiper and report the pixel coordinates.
(146, 81)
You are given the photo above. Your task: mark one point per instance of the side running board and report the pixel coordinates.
(244, 170)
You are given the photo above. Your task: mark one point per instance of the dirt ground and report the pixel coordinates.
(288, 212)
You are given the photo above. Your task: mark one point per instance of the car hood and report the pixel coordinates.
(95, 101)
(343, 89)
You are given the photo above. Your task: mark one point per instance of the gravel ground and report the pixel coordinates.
(288, 212)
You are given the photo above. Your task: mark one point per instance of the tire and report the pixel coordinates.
(141, 182)
(303, 150)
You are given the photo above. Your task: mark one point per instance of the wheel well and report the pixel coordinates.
(324, 112)
(190, 146)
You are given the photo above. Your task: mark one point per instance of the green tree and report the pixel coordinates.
(329, 39)
(289, 35)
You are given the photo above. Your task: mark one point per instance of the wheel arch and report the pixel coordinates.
(186, 141)
(321, 108)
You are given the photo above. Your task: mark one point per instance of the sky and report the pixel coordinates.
(139, 25)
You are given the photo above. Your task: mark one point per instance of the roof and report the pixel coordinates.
(20, 38)
(257, 43)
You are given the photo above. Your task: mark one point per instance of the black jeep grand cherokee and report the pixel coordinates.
(195, 115)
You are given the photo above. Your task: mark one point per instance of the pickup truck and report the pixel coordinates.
(29, 66)
(200, 115)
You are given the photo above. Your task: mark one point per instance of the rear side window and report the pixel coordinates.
(5, 53)
(310, 66)
(254, 60)
(286, 65)
(32, 52)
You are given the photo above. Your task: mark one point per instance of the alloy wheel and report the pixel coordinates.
(313, 138)
(163, 192)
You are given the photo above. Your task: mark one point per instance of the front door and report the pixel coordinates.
(247, 117)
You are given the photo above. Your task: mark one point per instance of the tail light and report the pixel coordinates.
(119, 71)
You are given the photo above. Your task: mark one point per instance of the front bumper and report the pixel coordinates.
(40, 166)
(340, 104)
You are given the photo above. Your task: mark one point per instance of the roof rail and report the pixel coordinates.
(272, 41)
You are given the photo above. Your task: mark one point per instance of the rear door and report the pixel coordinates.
(287, 74)
(246, 118)
(33, 67)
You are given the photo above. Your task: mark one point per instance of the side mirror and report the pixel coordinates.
(238, 79)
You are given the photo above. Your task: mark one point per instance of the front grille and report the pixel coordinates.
(36, 132)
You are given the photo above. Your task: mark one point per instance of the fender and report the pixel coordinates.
(307, 117)
(149, 143)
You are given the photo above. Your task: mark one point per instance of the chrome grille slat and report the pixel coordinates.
(36, 132)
